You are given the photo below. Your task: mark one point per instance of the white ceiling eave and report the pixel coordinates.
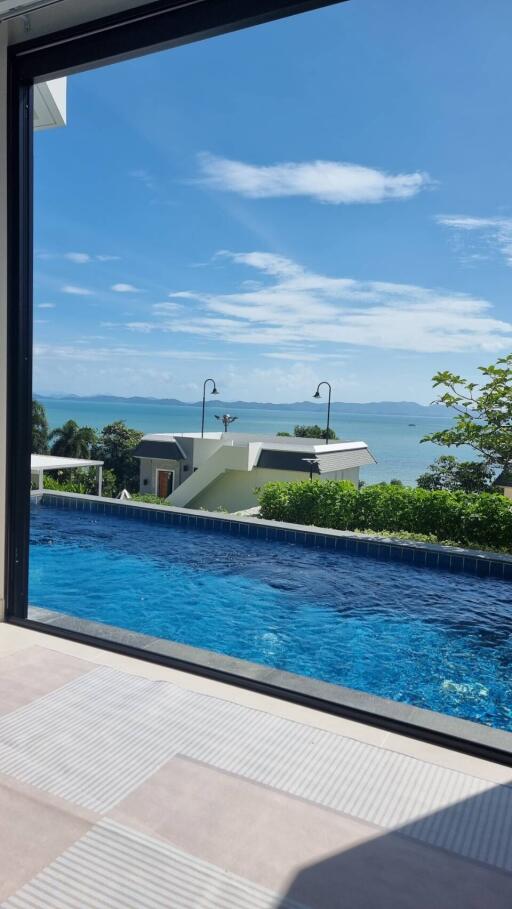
(50, 104)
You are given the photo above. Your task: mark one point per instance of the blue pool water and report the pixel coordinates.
(428, 638)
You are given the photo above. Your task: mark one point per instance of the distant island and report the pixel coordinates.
(391, 408)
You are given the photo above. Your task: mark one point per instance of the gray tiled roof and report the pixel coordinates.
(164, 451)
(300, 460)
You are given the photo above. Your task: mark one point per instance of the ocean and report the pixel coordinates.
(394, 442)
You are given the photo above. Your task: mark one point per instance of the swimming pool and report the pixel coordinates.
(428, 638)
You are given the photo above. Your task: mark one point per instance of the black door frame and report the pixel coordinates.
(117, 37)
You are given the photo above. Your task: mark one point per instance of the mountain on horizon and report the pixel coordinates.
(407, 408)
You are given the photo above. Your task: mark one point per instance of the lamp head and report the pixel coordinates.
(215, 390)
(317, 394)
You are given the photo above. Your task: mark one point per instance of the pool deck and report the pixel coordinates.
(129, 784)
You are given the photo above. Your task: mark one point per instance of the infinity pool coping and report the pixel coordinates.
(428, 555)
(351, 703)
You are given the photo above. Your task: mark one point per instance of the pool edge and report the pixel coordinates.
(457, 734)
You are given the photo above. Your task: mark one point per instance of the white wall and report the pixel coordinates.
(148, 468)
(234, 489)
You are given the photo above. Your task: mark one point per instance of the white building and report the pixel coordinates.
(223, 470)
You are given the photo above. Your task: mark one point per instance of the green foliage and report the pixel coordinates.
(53, 483)
(82, 481)
(477, 519)
(449, 473)
(288, 434)
(115, 447)
(148, 499)
(313, 432)
(72, 440)
(484, 412)
(40, 430)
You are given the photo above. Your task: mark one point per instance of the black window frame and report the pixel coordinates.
(132, 33)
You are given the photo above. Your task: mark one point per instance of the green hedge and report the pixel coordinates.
(477, 519)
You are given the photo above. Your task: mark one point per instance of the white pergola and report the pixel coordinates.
(39, 464)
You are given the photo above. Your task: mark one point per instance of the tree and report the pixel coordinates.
(483, 412)
(450, 474)
(313, 432)
(115, 447)
(40, 430)
(72, 440)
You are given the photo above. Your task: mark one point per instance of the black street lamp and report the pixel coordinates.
(214, 391)
(318, 395)
(311, 461)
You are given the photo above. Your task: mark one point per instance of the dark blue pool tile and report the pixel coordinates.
(291, 536)
(341, 544)
(351, 545)
(507, 571)
(408, 554)
(420, 557)
(431, 558)
(383, 551)
(457, 562)
(495, 568)
(444, 560)
(483, 567)
(300, 537)
(470, 564)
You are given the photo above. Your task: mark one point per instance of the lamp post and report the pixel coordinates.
(226, 419)
(311, 461)
(318, 395)
(214, 391)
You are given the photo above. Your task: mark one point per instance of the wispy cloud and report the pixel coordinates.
(143, 176)
(297, 307)
(79, 258)
(80, 351)
(46, 306)
(142, 327)
(77, 291)
(334, 182)
(480, 238)
(125, 289)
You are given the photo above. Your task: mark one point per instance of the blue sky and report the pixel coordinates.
(323, 197)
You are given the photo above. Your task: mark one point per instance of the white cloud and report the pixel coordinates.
(144, 177)
(125, 289)
(80, 258)
(182, 294)
(77, 291)
(142, 327)
(46, 306)
(297, 307)
(480, 238)
(108, 258)
(335, 182)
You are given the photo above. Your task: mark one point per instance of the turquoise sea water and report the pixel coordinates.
(394, 442)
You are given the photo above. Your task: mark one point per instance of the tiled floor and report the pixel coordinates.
(124, 784)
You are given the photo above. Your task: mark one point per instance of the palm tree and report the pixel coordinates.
(39, 429)
(72, 440)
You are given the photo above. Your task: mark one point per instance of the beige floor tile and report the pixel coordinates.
(34, 829)
(317, 857)
(35, 671)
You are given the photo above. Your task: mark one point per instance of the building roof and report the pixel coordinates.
(504, 479)
(315, 462)
(52, 462)
(167, 450)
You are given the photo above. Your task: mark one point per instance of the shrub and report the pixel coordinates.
(474, 519)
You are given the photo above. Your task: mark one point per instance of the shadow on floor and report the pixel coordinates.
(398, 871)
